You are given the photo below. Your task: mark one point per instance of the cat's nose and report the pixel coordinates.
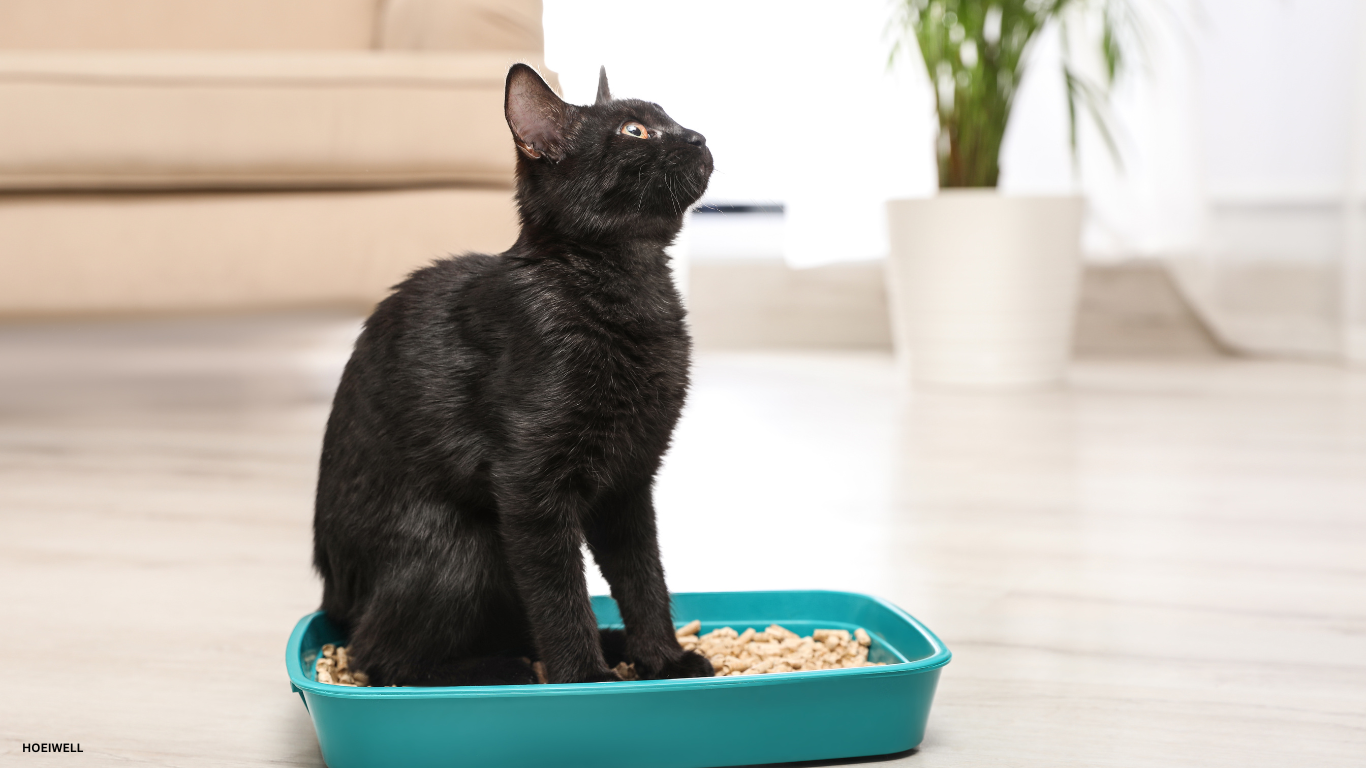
(694, 138)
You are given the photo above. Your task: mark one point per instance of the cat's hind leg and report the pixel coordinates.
(397, 644)
(444, 613)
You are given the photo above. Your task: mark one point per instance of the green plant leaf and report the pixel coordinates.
(1095, 100)
(975, 53)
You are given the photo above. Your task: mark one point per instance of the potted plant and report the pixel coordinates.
(983, 286)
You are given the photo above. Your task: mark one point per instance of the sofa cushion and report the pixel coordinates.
(252, 120)
(188, 24)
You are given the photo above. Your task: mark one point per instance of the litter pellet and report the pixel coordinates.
(334, 666)
(777, 649)
(752, 652)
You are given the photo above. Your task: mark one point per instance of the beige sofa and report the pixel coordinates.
(209, 154)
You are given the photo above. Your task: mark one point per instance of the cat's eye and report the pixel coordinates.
(635, 129)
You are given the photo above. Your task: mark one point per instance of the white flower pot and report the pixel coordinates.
(983, 287)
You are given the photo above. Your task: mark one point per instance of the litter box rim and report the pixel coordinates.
(940, 656)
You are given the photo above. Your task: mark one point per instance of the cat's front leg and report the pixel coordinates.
(625, 544)
(541, 536)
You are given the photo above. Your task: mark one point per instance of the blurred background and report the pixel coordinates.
(192, 157)
(1153, 557)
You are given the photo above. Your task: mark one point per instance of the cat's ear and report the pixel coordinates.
(540, 120)
(604, 93)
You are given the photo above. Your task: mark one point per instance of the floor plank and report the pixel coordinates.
(1160, 563)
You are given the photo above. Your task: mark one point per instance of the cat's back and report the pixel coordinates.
(433, 293)
(440, 309)
(465, 345)
(424, 353)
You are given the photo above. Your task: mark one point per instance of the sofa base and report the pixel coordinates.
(134, 252)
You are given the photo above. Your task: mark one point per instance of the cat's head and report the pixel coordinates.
(619, 169)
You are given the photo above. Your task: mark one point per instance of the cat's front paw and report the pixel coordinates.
(685, 664)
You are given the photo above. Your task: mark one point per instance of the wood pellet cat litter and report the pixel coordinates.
(334, 667)
(775, 649)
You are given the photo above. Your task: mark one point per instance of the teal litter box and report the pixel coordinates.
(691, 723)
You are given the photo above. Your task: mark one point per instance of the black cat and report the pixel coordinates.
(500, 411)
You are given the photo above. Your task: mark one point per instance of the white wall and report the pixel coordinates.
(1276, 88)
(1278, 81)
(738, 72)
(794, 97)
(799, 106)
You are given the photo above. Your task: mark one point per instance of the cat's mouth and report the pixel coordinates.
(687, 171)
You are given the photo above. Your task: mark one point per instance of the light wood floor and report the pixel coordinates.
(1161, 564)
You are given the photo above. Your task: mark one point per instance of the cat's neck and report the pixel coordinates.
(607, 230)
(624, 251)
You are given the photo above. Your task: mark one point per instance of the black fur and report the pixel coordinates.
(500, 411)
